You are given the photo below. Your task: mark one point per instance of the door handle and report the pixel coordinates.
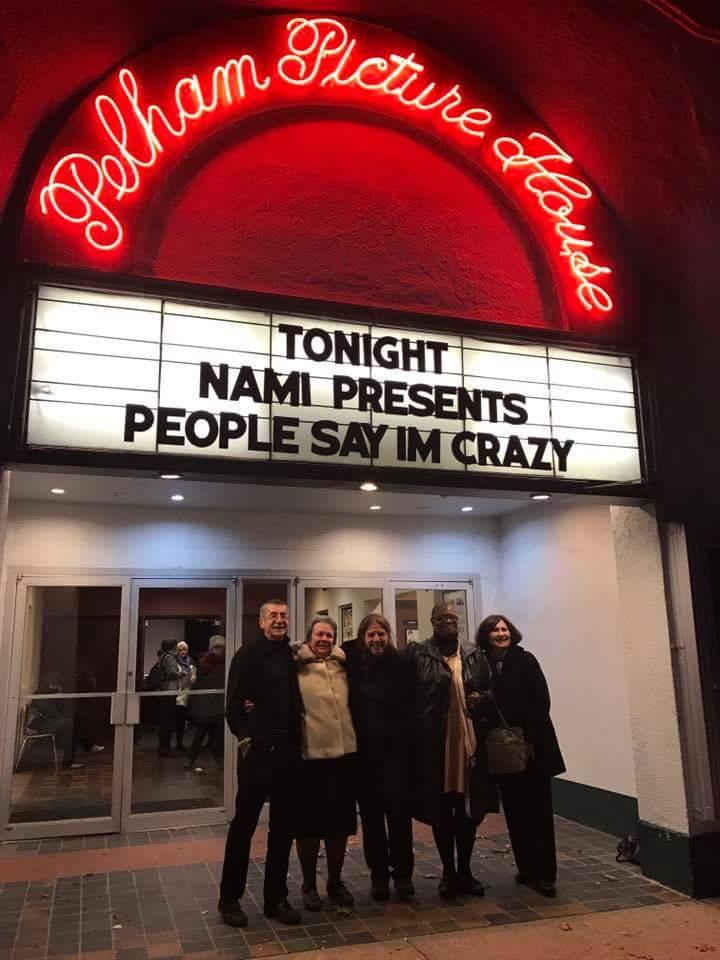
(117, 708)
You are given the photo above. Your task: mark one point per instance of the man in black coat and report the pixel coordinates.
(452, 813)
(263, 672)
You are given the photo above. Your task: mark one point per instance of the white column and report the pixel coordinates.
(648, 667)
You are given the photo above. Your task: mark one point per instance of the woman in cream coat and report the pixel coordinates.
(327, 807)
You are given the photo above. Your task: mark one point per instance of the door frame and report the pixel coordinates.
(131, 822)
(14, 631)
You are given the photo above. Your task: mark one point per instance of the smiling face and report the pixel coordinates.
(376, 639)
(499, 639)
(274, 620)
(322, 639)
(445, 622)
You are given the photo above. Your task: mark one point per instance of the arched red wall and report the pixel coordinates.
(344, 211)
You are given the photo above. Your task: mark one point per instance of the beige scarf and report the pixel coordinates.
(460, 743)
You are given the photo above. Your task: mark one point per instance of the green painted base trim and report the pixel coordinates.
(613, 813)
(688, 864)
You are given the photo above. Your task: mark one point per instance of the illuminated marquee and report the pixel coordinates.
(320, 54)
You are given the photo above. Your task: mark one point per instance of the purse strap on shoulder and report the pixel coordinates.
(500, 713)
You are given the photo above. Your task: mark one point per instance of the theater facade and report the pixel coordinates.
(308, 307)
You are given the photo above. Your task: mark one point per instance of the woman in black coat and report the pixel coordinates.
(520, 691)
(451, 789)
(380, 705)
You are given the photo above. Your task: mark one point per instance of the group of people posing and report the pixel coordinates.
(325, 729)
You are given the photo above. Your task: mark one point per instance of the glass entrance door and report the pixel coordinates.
(94, 742)
(178, 755)
(63, 753)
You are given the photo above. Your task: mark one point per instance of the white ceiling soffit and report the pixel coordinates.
(146, 491)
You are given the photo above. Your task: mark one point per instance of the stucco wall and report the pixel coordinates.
(644, 629)
(559, 586)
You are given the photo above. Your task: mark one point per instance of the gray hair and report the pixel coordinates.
(272, 603)
(316, 620)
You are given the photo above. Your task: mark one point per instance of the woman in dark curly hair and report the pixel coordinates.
(520, 691)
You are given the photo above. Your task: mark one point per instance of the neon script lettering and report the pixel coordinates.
(320, 53)
(557, 194)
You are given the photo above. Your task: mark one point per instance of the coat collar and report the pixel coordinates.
(430, 649)
(268, 646)
(511, 658)
(304, 655)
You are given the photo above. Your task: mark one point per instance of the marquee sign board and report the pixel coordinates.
(126, 373)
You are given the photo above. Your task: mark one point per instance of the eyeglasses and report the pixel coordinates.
(276, 616)
(446, 618)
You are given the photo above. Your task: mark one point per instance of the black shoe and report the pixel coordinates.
(166, 753)
(311, 899)
(447, 888)
(339, 894)
(523, 879)
(380, 889)
(470, 885)
(283, 912)
(545, 888)
(405, 888)
(232, 913)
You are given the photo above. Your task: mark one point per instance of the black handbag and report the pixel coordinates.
(505, 747)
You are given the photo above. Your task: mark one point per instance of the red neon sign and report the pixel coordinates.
(320, 54)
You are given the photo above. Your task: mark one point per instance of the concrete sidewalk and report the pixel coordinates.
(671, 931)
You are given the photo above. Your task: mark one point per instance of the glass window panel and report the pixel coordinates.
(599, 376)
(107, 320)
(347, 606)
(202, 311)
(98, 371)
(105, 346)
(593, 416)
(201, 332)
(64, 750)
(588, 462)
(178, 744)
(100, 396)
(129, 301)
(73, 634)
(413, 608)
(523, 349)
(56, 424)
(495, 363)
(560, 353)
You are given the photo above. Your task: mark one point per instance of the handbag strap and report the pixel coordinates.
(500, 713)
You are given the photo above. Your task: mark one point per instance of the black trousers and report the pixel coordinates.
(166, 721)
(527, 804)
(214, 731)
(181, 715)
(387, 839)
(279, 786)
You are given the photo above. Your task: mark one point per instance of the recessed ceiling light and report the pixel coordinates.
(177, 497)
(57, 490)
(466, 509)
(171, 476)
(376, 506)
(368, 487)
(540, 496)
